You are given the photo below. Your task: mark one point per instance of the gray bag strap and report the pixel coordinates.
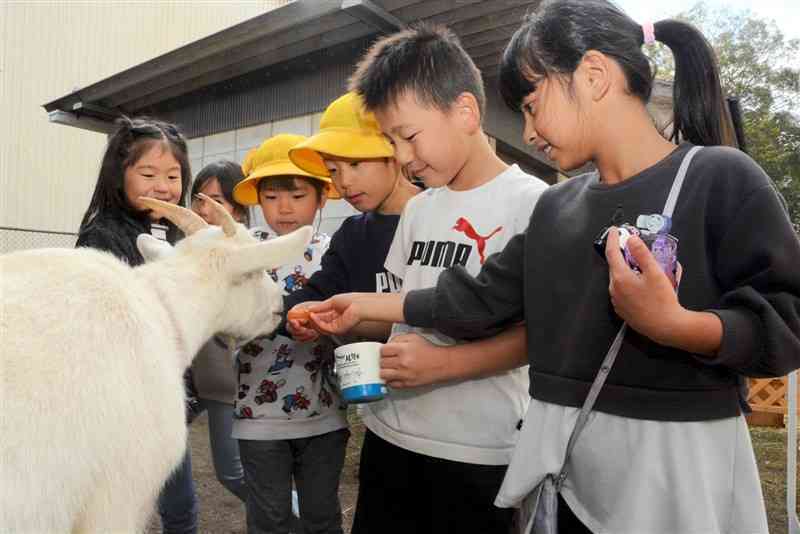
(677, 183)
(611, 355)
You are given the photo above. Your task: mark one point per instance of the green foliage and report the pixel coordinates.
(760, 67)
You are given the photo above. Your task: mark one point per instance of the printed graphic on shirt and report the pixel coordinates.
(464, 226)
(439, 253)
(282, 360)
(296, 280)
(322, 367)
(296, 401)
(386, 282)
(281, 380)
(268, 391)
(252, 349)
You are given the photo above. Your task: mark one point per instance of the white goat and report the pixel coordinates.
(92, 414)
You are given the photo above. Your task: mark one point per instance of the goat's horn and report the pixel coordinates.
(188, 221)
(221, 216)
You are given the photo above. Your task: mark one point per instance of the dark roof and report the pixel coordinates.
(286, 33)
(293, 60)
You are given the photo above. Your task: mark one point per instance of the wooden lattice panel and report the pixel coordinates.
(769, 395)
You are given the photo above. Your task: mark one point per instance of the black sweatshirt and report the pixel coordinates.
(354, 260)
(740, 258)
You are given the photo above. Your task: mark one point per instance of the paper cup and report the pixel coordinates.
(358, 366)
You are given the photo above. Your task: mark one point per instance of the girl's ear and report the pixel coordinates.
(597, 73)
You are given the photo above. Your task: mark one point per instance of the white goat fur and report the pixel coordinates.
(92, 413)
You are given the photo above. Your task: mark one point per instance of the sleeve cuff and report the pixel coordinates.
(418, 307)
(740, 339)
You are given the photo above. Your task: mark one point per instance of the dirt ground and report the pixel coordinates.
(221, 513)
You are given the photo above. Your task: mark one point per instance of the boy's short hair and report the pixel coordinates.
(288, 183)
(427, 60)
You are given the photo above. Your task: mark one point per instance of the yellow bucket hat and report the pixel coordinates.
(272, 159)
(345, 130)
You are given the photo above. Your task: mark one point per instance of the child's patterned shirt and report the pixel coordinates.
(286, 389)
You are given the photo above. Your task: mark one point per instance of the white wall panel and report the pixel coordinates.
(247, 138)
(48, 49)
(220, 143)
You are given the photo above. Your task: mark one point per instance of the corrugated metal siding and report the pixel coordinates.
(290, 90)
(47, 172)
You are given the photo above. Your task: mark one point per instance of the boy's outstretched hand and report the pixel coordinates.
(338, 315)
(335, 316)
(298, 323)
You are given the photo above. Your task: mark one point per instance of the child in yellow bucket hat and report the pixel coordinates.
(351, 149)
(288, 417)
(271, 160)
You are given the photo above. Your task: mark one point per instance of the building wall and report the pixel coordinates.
(48, 49)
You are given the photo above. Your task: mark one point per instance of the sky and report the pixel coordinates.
(785, 12)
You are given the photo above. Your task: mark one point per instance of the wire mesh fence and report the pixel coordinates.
(12, 239)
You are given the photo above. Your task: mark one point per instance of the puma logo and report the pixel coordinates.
(464, 226)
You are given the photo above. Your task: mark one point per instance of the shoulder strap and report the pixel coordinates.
(611, 355)
(677, 183)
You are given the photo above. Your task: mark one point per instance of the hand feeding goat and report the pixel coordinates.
(92, 420)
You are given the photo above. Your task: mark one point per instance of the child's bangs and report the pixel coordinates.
(518, 65)
(280, 183)
(140, 147)
(290, 183)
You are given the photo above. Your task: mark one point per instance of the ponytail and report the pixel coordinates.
(553, 40)
(701, 115)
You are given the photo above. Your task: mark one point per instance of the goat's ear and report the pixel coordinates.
(152, 249)
(271, 254)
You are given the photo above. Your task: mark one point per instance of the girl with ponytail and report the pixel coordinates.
(666, 448)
